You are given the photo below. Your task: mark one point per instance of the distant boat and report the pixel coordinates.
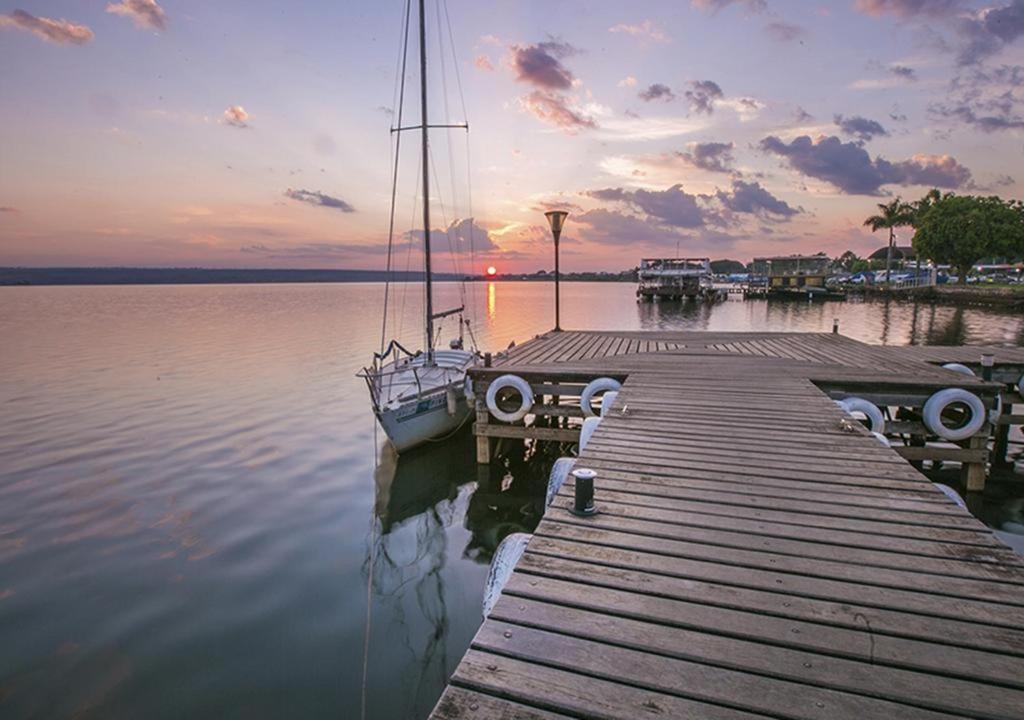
(675, 279)
(421, 396)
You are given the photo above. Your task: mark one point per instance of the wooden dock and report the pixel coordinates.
(756, 553)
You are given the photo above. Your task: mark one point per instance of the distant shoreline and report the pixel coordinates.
(19, 276)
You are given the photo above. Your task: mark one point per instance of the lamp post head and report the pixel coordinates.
(556, 218)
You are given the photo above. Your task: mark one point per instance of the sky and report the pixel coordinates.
(258, 134)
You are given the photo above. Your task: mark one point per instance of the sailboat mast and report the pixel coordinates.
(426, 182)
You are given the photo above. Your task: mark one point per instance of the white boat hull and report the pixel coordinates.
(420, 421)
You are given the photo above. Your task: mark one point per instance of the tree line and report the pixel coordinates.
(956, 230)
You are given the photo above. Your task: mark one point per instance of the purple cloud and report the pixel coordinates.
(904, 72)
(460, 237)
(312, 197)
(657, 91)
(909, 8)
(849, 168)
(784, 32)
(710, 156)
(702, 95)
(541, 65)
(673, 206)
(555, 109)
(860, 127)
(753, 199)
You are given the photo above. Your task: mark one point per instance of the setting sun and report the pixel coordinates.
(492, 271)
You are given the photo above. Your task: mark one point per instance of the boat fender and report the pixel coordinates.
(452, 400)
(502, 564)
(882, 439)
(952, 494)
(1020, 384)
(589, 426)
(516, 383)
(606, 401)
(559, 472)
(958, 368)
(868, 409)
(938, 402)
(467, 389)
(603, 384)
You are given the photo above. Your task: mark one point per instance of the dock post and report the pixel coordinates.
(483, 450)
(835, 326)
(972, 474)
(987, 361)
(1001, 446)
(483, 441)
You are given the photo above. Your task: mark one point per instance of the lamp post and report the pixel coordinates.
(556, 218)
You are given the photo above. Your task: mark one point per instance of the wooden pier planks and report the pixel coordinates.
(762, 563)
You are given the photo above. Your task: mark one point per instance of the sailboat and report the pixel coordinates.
(421, 396)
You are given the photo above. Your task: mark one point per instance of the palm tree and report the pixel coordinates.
(891, 215)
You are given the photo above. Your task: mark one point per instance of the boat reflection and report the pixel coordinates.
(425, 484)
(428, 501)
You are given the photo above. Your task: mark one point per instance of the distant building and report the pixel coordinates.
(793, 272)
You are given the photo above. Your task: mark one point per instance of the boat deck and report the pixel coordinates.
(755, 553)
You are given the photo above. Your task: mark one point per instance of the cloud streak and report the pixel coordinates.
(320, 199)
(144, 13)
(61, 32)
(645, 30)
(657, 91)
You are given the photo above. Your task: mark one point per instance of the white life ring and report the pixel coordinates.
(589, 426)
(958, 368)
(868, 409)
(559, 472)
(882, 439)
(603, 384)
(606, 401)
(502, 564)
(516, 383)
(467, 389)
(938, 402)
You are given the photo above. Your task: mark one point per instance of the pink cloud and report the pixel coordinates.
(62, 32)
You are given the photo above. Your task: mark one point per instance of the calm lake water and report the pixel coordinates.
(192, 490)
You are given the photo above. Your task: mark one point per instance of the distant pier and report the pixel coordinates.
(756, 551)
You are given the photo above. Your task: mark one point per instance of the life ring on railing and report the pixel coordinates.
(502, 564)
(515, 383)
(958, 368)
(867, 409)
(603, 384)
(467, 390)
(941, 400)
(559, 472)
(589, 426)
(606, 401)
